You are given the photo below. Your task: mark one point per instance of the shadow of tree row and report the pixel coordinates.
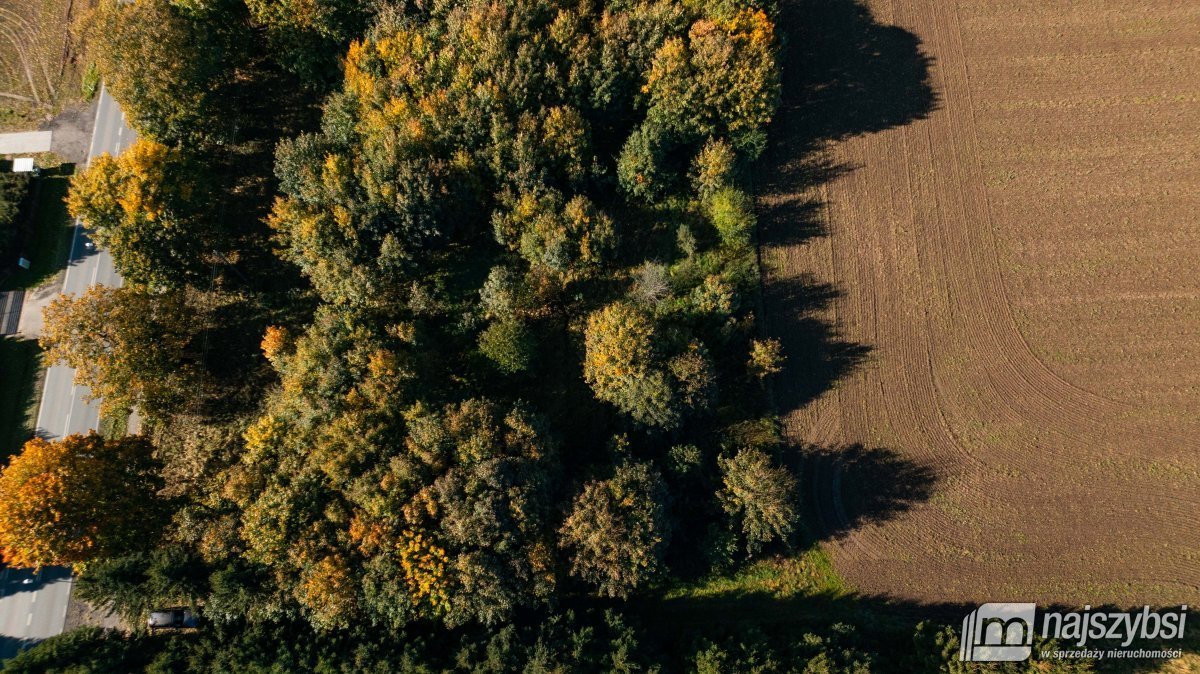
(852, 486)
(844, 74)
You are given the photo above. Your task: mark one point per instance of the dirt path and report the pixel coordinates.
(1017, 481)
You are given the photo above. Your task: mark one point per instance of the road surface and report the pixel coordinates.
(35, 610)
(34, 606)
(26, 142)
(64, 408)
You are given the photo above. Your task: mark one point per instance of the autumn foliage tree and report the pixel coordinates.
(128, 346)
(79, 499)
(760, 496)
(310, 34)
(165, 65)
(147, 207)
(617, 530)
(627, 364)
(522, 233)
(719, 79)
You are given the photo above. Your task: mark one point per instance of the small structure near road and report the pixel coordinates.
(25, 142)
(23, 165)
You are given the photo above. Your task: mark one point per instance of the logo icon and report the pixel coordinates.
(997, 632)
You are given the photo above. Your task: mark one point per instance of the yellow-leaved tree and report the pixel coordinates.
(148, 208)
(79, 499)
(130, 347)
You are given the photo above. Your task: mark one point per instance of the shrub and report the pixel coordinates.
(91, 82)
(509, 345)
(713, 167)
(732, 213)
(766, 358)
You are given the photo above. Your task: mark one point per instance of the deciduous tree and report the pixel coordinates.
(617, 530)
(79, 499)
(148, 208)
(627, 363)
(13, 187)
(165, 66)
(129, 347)
(509, 344)
(570, 239)
(720, 79)
(760, 496)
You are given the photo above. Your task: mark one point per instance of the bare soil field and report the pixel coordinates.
(981, 228)
(37, 69)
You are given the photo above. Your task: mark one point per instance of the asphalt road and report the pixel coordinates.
(33, 606)
(35, 610)
(64, 408)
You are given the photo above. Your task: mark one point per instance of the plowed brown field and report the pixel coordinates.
(981, 226)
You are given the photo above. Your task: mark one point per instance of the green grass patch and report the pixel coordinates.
(802, 589)
(20, 376)
(90, 82)
(115, 424)
(50, 242)
(786, 596)
(809, 573)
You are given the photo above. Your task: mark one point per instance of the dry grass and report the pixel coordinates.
(38, 72)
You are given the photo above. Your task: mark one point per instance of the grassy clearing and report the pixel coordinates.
(20, 374)
(802, 590)
(810, 573)
(50, 239)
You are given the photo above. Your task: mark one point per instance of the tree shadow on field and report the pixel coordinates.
(844, 75)
(816, 356)
(848, 487)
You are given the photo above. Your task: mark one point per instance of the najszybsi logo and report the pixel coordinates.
(997, 632)
(1003, 632)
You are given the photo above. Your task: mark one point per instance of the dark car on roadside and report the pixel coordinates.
(172, 618)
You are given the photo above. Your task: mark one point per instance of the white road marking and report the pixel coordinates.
(29, 620)
(33, 597)
(96, 124)
(67, 425)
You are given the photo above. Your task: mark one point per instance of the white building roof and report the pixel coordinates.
(26, 142)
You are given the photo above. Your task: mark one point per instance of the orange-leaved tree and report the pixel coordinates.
(81, 498)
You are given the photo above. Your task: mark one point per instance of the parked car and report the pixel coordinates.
(172, 618)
